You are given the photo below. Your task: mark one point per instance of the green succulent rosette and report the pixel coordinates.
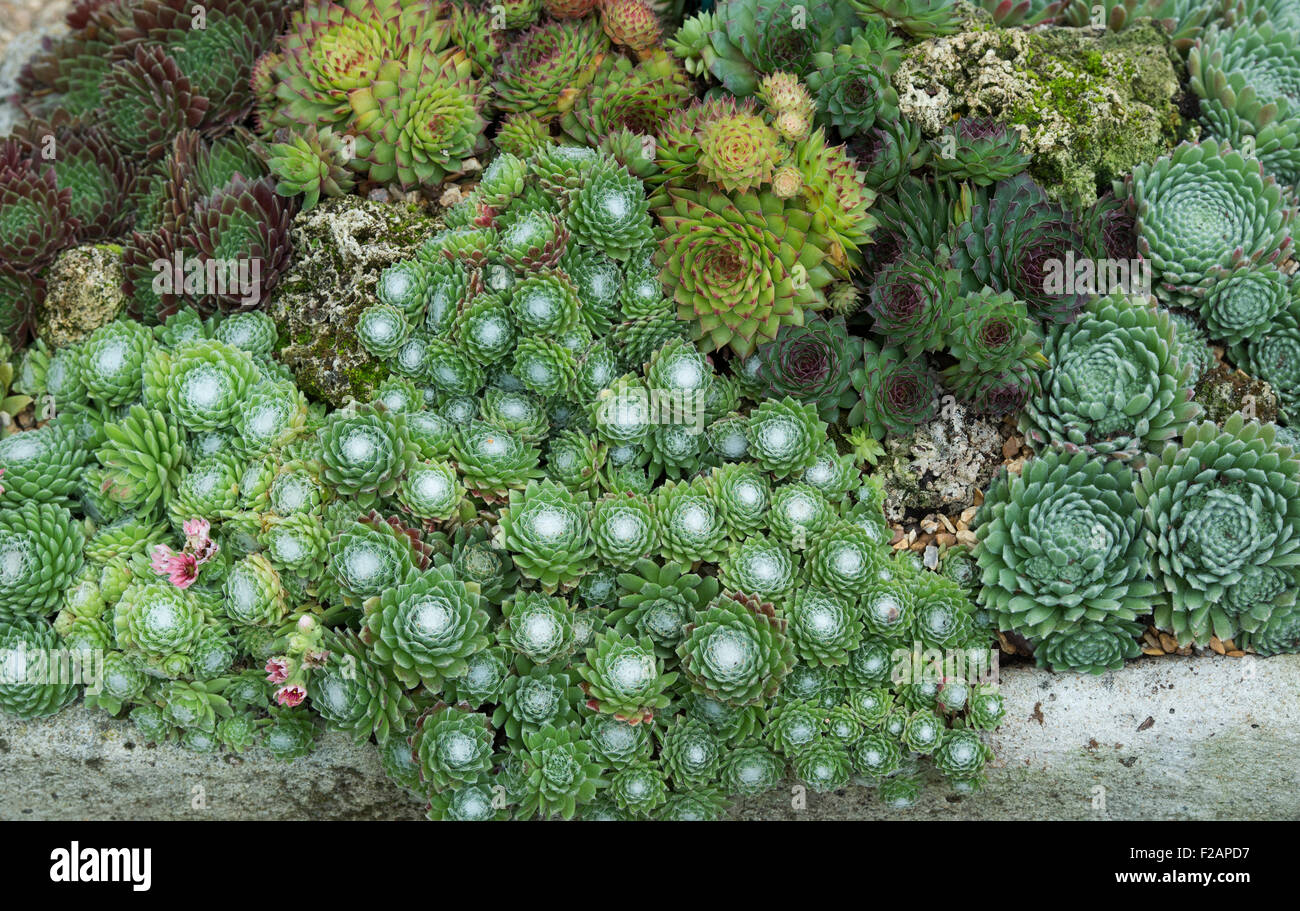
(564, 771)
(760, 567)
(744, 493)
(1205, 206)
(547, 532)
(154, 621)
(846, 560)
(1220, 520)
(1090, 647)
(208, 383)
(110, 361)
(368, 557)
(1114, 383)
(823, 627)
(31, 682)
(623, 529)
(364, 454)
(538, 627)
(625, 677)
(141, 459)
(493, 461)
(1062, 544)
(691, 525)
(737, 651)
(40, 555)
(355, 694)
(751, 768)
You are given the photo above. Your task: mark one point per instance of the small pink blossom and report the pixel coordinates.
(290, 695)
(198, 539)
(180, 569)
(277, 670)
(2, 474)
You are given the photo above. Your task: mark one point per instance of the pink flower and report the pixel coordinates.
(277, 670)
(290, 695)
(180, 569)
(198, 540)
(2, 474)
(315, 659)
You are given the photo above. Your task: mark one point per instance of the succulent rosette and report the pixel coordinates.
(355, 695)
(41, 466)
(737, 651)
(895, 394)
(535, 72)
(364, 453)
(691, 524)
(30, 683)
(1061, 545)
(1113, 384)
(1220, 521)
(452, 745)
(547, 532)
(740, 269)
(419, 120)
(1090, 646)
(41, 548)
(1205, 206)
(625, 677)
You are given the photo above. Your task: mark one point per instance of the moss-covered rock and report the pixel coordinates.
(1089, 105)
(83, 292)
(339, 249)
(1223, 391)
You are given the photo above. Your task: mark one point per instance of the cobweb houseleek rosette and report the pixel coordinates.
(744, 493)
(625, 677)
(355, 695)
(1204, 206)
(623, 529)
(369, 557)
(1113, 384)
(41, 547)
(425, 630)
(563, 771)
(784, 436)
(44, 465)
(740, 268)
(737, 651)
(660, 602)
(1061, 545)
(823, 626)
(1222, 521)
(536, 626)
(452, 745)
(545, 528)
(364, 453)
(690, 522)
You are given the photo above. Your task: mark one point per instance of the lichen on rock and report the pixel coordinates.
(83, 292)
(1223, 391)
(340, 248)
(939, 468)
(1088, 105)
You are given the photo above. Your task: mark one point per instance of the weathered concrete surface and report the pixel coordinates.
(1173, 738)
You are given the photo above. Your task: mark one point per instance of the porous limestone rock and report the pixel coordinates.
(940, 466)
(340, 248)
(1088, 103)
(83, 291)
(1223, 391)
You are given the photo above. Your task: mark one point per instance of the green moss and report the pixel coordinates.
(341, 247)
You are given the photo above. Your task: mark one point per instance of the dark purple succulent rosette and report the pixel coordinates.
(812, 363)
(896, 395)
